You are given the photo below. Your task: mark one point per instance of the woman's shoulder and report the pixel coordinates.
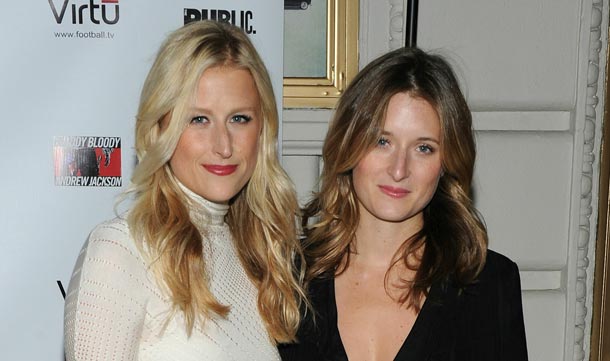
(112, 239)
(498, 266)
(117, 225)
(500, 275)
(489, 314)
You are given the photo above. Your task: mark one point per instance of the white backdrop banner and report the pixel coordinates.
(70, 76)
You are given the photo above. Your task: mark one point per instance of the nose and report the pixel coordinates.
(399, 166)
(223, 144)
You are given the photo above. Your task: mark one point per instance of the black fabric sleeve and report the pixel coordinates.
(512, 328)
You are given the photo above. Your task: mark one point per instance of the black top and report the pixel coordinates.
(479, 322)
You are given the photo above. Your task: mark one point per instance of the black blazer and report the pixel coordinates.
(479, 322)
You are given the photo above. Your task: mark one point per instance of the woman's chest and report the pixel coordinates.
(372, 324)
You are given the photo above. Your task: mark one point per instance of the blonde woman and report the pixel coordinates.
(201, 267)
(398, 265)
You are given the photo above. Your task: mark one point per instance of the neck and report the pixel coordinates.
(377, 241)
(203, 211)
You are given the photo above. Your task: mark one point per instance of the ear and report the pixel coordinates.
(163, 123)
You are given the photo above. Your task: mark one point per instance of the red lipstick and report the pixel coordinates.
(394, 192)
(219, 169)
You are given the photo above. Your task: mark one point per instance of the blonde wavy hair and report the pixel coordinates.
(261, 216)
(453, 237)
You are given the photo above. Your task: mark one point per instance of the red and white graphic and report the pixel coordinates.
(86, 161)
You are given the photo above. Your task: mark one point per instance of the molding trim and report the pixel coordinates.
(522, 121)
(590, 174)
(600, 331)
(397, 26)
(541, 280)
(304, 147)
(304, 130)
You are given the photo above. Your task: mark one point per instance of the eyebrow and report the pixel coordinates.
(421, 139)
(236, 110)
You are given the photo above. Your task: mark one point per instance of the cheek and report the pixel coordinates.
(369, 165)
(178, 159)
(249, 143)
(432, 175)
(254, 143)
(362, 173)
(186, 150)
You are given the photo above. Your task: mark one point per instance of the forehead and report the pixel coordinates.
(227, 74)
(406, 113)
(219, 85)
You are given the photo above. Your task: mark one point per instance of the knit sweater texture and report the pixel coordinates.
(116, 310)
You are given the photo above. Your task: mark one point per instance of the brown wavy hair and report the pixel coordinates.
(261, 216)
(453, 237)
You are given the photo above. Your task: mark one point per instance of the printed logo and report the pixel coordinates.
(240, 18)
(88, 11)
(85, 161)
(61, 289)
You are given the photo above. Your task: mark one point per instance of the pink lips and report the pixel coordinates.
(221, 170)
(394, 192)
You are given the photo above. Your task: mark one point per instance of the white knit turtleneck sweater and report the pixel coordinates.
(115, 309)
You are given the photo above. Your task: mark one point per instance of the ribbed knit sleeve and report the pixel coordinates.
(106, 300)
(115, 309)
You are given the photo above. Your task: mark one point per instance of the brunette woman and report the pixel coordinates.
(397, 260)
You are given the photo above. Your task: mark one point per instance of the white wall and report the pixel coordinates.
(533, 74)
(55, 85)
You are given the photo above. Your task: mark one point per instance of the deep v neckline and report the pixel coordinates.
(413, 345)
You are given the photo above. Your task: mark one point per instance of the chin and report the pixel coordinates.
(221, 199)
(395, 217)
(390, 218)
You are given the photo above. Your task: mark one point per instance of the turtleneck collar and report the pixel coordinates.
(202, 210)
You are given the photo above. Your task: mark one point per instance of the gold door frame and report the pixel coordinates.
(600, 325)
(341, 61)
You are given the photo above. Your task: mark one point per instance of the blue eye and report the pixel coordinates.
(241, 118)
(199, 120)
(382, 142)
(425, 148)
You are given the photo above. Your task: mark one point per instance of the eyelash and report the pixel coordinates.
(239, 118)
(243, 118)
(382, 142)
(199, 120)
(425, 148)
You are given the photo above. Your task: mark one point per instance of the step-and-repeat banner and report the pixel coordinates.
(70, 77)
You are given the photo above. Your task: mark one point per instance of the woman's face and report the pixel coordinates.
(397, 179)
(217, 151)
